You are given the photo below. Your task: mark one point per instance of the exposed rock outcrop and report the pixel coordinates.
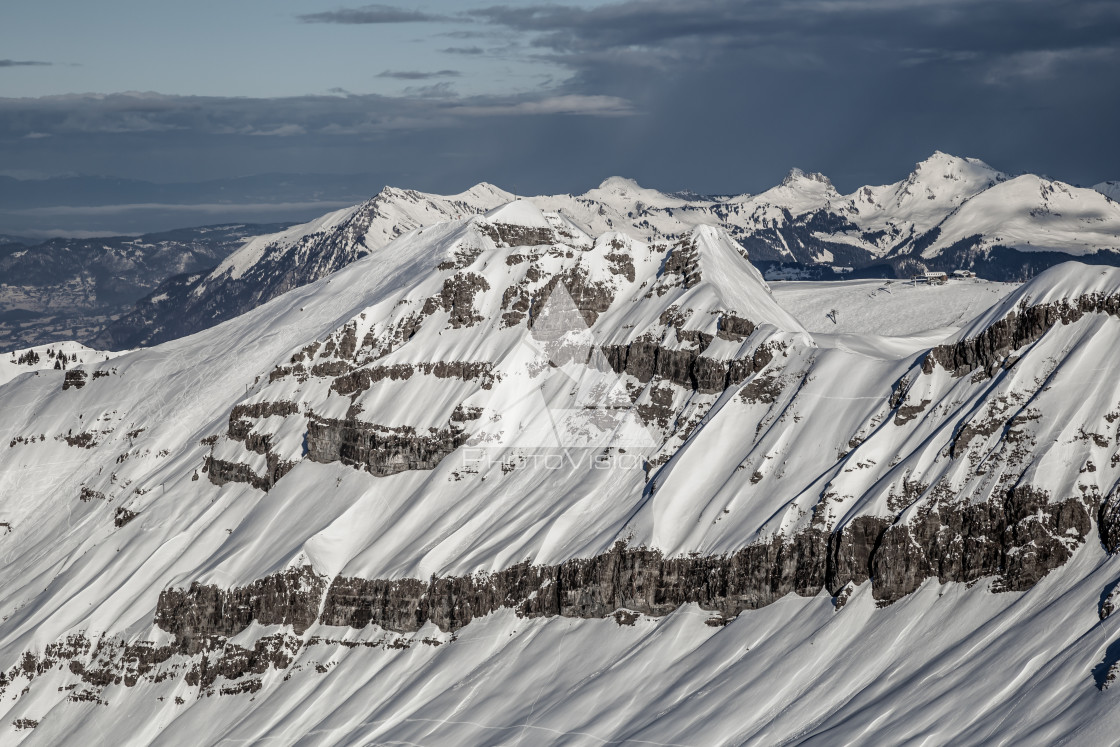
(200, 613)
(1017, 540)
(382, 450)
(645, 358)
(989, 349)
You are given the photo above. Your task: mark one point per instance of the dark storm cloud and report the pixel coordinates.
(418, 74)
(370, 14)
(858, 88)
(991, 26)
(336, 115)
(712, 96)
(24, 63)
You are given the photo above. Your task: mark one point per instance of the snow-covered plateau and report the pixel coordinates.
(516, 477)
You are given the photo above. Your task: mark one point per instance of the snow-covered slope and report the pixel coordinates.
(892, 308)
(509, 478)
(1030, 213)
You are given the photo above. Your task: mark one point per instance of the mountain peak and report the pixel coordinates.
(796, 175)
(620, 185)
(518, 213)
(942, 166)
(486, 190)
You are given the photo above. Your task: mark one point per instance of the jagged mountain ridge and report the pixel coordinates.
(282, 510)
(949, 213)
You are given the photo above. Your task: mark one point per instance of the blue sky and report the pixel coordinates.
(710, 95)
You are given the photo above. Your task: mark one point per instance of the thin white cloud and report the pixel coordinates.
(1042, 64)
(574, 104)
(285, 130)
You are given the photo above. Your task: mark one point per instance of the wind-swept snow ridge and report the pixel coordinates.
(505, 439)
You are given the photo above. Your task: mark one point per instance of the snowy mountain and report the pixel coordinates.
(949, 213)
(510, 476)
(270, 265)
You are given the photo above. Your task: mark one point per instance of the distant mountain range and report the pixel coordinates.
(948, 213)
(64, 289)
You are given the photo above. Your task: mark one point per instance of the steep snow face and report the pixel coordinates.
(237, 264)
(366, 227)
(1029, 214)
(502, 438)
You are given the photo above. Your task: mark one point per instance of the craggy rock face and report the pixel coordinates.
(1015, 331)
(380, 450)
(1014, 540)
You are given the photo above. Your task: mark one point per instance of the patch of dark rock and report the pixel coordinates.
(203, 612)
(1104, 673)
(625, 617)
(512, 235)
(644, 359)
(734, 328)
(381, 450)
(906, 413)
